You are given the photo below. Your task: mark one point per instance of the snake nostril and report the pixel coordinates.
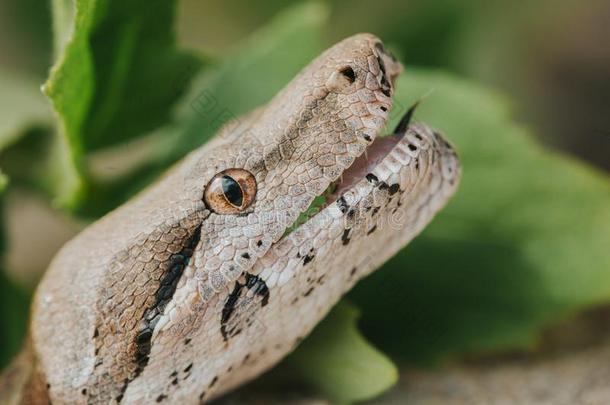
(341, 79)
(349, 73)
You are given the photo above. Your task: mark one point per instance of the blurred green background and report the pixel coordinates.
(549, 57)
(548, 54)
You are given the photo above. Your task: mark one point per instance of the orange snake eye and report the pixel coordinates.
(230, 191)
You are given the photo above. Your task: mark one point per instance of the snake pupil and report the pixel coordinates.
(232, 191)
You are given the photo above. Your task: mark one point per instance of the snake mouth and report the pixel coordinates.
(361, 168)
(372, 156)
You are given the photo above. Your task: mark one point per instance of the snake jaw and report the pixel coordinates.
(362, 165)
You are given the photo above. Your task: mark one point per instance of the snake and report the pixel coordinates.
(215, 272)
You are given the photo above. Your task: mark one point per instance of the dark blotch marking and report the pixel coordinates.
(259, 287)
(351, 214)
(175, 381)
(373, 229)
(412, 147)
(252, 283)
(308, 292)
(383, 80)
(188, 368)
(96, 333)
(382, 68)
(161, 397)
(214, 380)
(367, 138)
(307, 259)
(375, 210)
(383, 186)
(123, 389)
(394, 188)
(187, 341)
(342, 204)
(84, 391)
(259, 243)
(245, 256)
(384, 109)
(164, 294)
(345, 237)
(372, 178)
(349, 73)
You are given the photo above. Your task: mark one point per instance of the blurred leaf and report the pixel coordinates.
(3, 181)
(117, 77)
(23, 110)
(14, 303)
(22, 106)
(31, 153)
(523, 244)
(340, 363)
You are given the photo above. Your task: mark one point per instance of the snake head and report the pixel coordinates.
(206, 279)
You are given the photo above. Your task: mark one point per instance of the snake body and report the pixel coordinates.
(176, 298)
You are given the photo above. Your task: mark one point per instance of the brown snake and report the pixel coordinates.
(202, 282)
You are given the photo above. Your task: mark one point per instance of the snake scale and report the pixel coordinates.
(208, 278)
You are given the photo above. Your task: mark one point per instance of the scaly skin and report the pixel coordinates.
(109, 326)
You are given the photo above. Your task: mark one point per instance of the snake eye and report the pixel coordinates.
(230, 191)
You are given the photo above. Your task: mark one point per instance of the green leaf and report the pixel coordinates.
(22, 106)
(116, 77)
(3, 181)
(340, 363)
(523, 244)
(26, 136)
(14, 302)
(23, 110)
